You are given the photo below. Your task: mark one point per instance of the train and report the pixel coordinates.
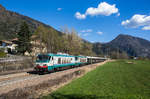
(53, 62)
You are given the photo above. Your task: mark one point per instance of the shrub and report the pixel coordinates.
(2, 53)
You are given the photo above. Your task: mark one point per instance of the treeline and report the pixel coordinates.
(67, 41)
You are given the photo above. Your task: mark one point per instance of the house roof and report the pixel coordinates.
(5, 41)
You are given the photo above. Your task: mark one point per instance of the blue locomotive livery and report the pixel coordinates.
(50, 62)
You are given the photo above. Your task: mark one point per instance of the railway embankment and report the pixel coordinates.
(34, 86)
(15, 64)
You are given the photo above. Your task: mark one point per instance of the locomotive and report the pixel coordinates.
(52, 62)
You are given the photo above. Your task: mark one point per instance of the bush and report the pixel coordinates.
(2, 54)
(119, 55)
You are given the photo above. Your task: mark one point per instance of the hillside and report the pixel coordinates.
(10, 23)
(133, 46)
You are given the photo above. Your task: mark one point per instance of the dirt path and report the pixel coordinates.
(43, 84)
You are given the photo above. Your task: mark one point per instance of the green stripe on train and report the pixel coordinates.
(64, 65)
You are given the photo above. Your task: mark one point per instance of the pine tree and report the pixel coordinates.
(24, 39)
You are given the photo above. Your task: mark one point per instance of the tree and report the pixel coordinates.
(68, 42)
(49, 37)
(52, 40)
(119, 55)
(24, 35)
(39, 33)
(123, 55)
(87, 49)
(74, 44)
(114, 55)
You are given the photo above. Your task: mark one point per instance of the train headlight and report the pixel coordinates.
(45, 66)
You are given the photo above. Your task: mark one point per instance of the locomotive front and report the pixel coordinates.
(42, 63)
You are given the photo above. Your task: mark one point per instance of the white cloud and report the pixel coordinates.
(59, 9)
(102, 9)
(86, 34)
(87, 30)
(118, 14)
(92, 41)
(78, 15)
(99, 32)
(79, 34)
(137, 21)
(146, 28)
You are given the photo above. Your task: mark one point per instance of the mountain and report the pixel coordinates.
(133, 46)
(10, 23)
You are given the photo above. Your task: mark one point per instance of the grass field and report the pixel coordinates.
(113, 80)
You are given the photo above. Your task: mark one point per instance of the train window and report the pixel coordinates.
(59, 60)
(76, 58)
(43, 58)
(49, 58)
(65, 61)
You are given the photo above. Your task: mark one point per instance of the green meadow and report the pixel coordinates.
(121, 79)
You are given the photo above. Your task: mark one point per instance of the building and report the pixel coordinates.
(8, 46)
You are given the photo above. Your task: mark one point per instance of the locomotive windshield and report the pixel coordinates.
(43, 58)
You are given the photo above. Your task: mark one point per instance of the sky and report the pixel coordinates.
(94, 20)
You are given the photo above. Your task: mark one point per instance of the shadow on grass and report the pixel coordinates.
(76, 96)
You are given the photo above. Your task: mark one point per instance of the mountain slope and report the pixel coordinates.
(133, 46)
(10, 23)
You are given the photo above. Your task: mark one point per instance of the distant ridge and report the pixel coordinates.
(133, 46)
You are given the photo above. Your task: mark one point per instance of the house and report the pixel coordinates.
(11, 45)
(5, 43)
(8, 46)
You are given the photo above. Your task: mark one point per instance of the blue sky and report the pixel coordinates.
(94, 20)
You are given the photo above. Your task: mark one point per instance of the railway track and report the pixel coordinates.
(10, 79)
(14, 72)
(24, 79)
